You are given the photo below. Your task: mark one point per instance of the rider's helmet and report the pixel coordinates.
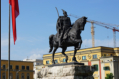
(64, 12)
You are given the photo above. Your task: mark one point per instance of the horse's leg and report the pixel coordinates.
(51, 42)
(79, 45)
(63, 52)
(75, 51)
(55, 48)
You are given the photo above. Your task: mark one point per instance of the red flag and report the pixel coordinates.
(15, 13)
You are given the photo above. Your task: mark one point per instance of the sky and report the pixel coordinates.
(37, 21)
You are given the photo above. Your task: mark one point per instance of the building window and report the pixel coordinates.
(94, 56)
(104, 54)
(3, 75)
(47, 62)
(3, 66)
(106, 68)
(34, 64)
(64, 60)
(37, 63)
(56, 61)
(111, 55)
(17, 67)
(22, 76)
(11, 76)
(10, 66)
(83, 57)
(95, 67)
(27, 67)
(33, 72)
(17, 76)
(23, 67)
(28, 76)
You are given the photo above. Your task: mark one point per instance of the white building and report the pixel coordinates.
(38, 68)
(36, 63)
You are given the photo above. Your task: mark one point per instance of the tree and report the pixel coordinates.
(109, 76)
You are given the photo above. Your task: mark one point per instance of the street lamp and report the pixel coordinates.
(17, 72)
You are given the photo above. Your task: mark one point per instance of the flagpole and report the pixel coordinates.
(9, 47)
(0, 36)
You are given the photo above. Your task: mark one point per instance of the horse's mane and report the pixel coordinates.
(81, 20)
(79, 23)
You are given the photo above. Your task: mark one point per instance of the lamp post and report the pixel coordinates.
(17, 72)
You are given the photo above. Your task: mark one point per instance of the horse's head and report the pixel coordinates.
(80, 23)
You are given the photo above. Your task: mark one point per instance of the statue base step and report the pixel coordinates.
(73, 70)
(62, 64)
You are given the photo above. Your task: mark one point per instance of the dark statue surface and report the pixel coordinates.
(67, 35)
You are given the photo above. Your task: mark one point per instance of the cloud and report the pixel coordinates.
(107, 43)
(4, 42)
(41, 51)
(37, 53)
(35, 56)
(19, 47)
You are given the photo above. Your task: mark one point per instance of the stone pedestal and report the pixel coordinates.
(66, 71)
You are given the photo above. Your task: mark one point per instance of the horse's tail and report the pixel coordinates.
(51, 42)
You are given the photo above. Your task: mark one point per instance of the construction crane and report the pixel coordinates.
(108, 26)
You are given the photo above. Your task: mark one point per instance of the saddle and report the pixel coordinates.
(64, 37)
(66, 33)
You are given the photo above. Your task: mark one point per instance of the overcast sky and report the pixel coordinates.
(37, 21)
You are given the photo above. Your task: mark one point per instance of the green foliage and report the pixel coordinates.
(109, 76)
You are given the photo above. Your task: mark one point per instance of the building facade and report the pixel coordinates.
(36, 62)
(105, 60)
(109, 65)
(18, 69)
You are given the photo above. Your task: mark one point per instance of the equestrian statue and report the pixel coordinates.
(67, 35)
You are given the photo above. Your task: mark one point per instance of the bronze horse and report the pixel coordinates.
(73, 39)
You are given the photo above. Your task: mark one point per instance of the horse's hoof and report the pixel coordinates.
(53, 62)
(74, 59)
(66, 59)
(77, 48)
